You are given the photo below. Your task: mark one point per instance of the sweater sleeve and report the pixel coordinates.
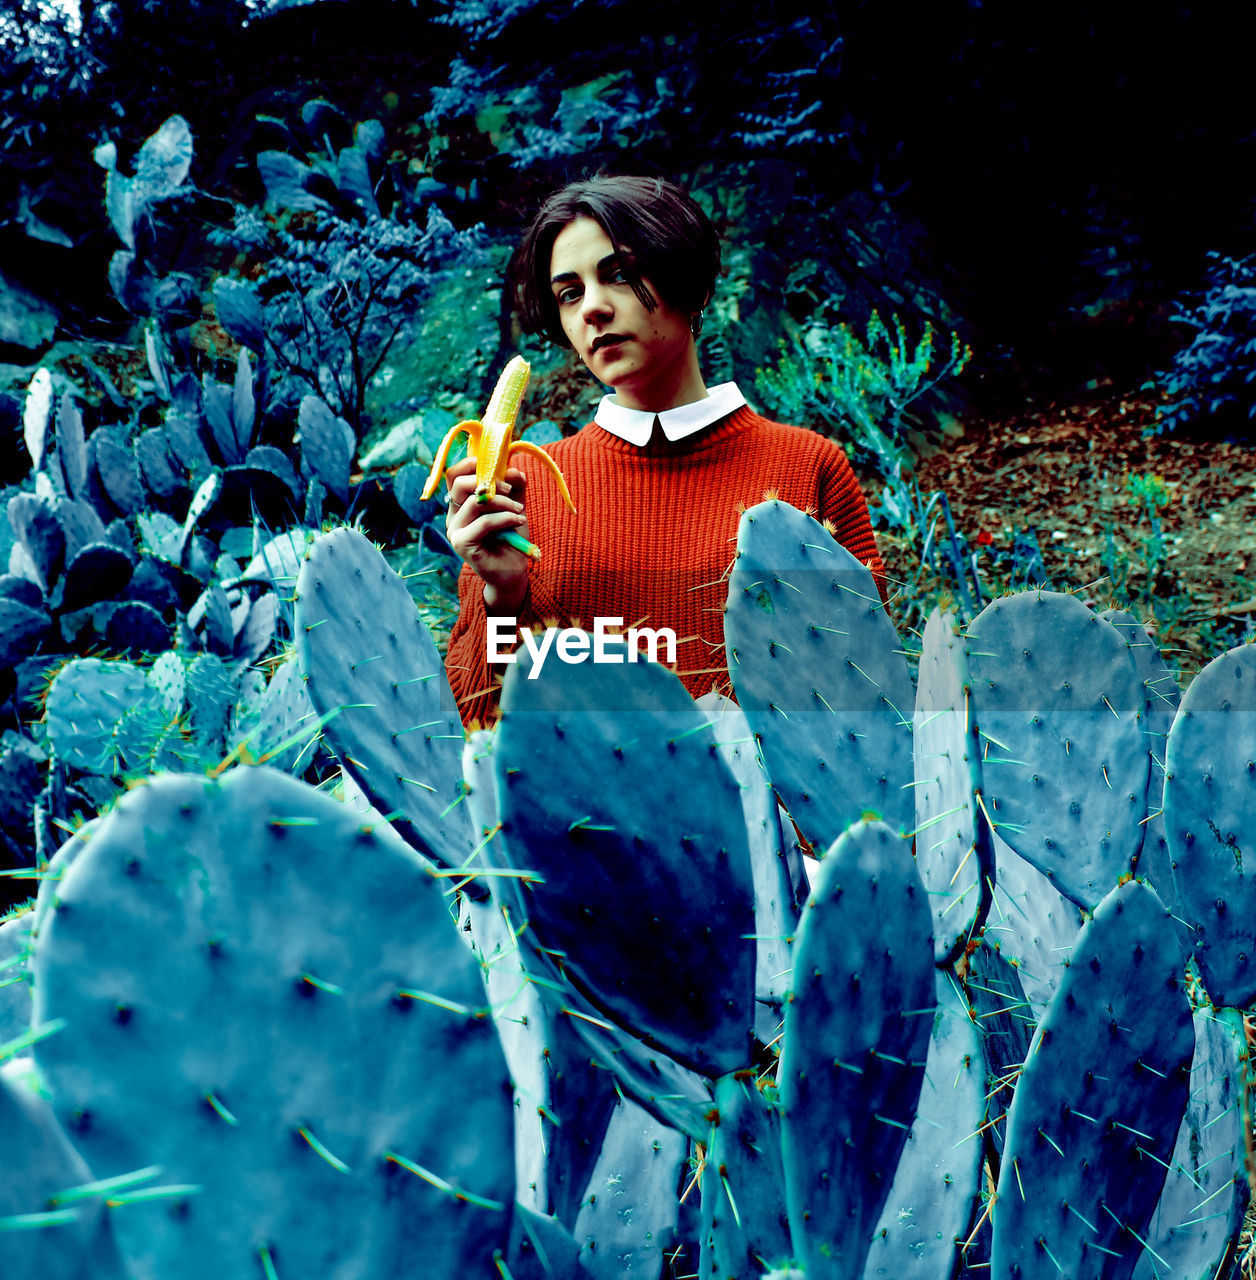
(476, 682)
(843, 506)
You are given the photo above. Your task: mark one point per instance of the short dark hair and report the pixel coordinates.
(662, 232)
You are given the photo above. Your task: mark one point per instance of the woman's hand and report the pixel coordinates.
(473, 527)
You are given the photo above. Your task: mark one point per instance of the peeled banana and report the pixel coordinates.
(491, 443)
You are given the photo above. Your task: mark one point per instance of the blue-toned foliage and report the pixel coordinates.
(333, 293)
(860, 388)
(736, 78)
(867, 390)
(1212, 379)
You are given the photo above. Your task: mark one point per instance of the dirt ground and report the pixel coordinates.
(1074, 472)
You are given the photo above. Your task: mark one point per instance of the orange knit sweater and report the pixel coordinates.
(655, 532)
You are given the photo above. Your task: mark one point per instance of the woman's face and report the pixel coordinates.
(647, 356)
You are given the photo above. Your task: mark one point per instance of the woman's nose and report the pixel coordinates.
(596, 302)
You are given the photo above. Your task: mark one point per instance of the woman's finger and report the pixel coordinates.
(465, 506)
(484, 528)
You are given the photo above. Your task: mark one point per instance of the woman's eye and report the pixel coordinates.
(568, 295)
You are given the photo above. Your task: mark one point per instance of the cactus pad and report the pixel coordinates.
(857, 1032)
(1209, 813)
(648, 895)
(1059, 705)
(368, 658)
(817, 667)
(1092, 1124)
(280, 1059)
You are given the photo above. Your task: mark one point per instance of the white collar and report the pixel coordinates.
(636, 426)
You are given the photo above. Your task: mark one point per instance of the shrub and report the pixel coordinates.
(332, 294)
(860, 389)
(1212, 376)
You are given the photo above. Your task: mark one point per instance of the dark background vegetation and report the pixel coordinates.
(1056, 176)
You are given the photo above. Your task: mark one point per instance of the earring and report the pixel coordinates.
(695, 323)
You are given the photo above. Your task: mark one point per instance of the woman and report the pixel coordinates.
(621, 269)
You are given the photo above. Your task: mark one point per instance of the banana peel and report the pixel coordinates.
(491, 443)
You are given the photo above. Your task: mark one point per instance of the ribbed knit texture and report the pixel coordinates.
(654, 533)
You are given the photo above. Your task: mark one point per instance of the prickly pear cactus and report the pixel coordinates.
(628, 925)
(1162, 699)
(627, 1220)
(88, 703)
(993, 987)
(564, 1099)
(933, 1201)
(857, 1034)
(1032, 925)
(744, 1215)
(211, 689)
(53, 1220)
(47, 895)
(1194, 1232)
(648, 815)
(1065, 764)
(776, 917)
(819, 671)
(953, 839)
(15, 992)
(1091, 1128)
(281, 728)
(1209, 811)
(569, 1064)
(373, 672)
(280, 1055)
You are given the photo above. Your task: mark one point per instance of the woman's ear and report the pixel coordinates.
(695, 318)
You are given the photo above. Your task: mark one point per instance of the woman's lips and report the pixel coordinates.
(608, 342)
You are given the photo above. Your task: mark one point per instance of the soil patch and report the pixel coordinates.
(1088, 480)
